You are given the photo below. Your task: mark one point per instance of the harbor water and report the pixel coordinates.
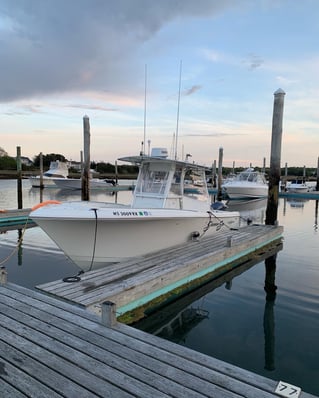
(273, 332)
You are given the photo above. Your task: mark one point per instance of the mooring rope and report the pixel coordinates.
(76, 278)
(95, 236)
(218, 227)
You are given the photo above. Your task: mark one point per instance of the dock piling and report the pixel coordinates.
(86, 167)
(274, 173)
(108, 314)
(220, 174)
(19, 179)
(3, 276)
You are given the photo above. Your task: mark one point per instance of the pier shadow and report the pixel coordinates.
(175, 320)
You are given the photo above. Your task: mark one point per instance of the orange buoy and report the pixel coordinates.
(47, 202)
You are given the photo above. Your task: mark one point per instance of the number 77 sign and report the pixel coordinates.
(287, 390)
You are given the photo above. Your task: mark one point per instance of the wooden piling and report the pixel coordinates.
(41, 171)
(286, 175)
(108, 312)
(3, 276)
(116, 173)
(214, 175)
(274, 173)
(19, 179)
(86, 164)
(220, 174)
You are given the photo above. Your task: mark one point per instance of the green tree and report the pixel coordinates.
(7, 163)
(102, 167)
(48, 158)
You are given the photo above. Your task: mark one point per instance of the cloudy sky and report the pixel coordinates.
(63, 59)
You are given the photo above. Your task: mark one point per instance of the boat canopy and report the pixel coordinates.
(251, 175)
(167, 183)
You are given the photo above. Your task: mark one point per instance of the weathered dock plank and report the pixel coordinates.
(136, 282)
(52, 348)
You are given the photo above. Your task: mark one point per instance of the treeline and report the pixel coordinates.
(9, 163)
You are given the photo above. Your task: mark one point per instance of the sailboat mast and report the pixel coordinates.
(179, 97)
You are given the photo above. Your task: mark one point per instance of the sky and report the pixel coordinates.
(199, 72)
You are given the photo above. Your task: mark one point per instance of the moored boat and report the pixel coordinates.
(162, 214)
(57, 169)
(249, 184)
(76, 183)
(296, 186)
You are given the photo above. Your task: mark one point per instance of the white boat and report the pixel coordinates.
(249, 184)
(161, 215)
(57, 169)
(76, 183)
(296, 186)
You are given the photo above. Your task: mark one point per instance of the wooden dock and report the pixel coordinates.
(146, 283)
(15, 218)
(49, 348)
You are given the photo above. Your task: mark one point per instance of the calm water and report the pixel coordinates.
(277, 337)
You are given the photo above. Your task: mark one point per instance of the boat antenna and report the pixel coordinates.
(145, 87)
(172, 149)
(179, 97)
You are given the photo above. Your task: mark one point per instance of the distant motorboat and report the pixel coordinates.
(57, 169)
(249, 184)
(76, 183)
(162, 214)
(296, 186)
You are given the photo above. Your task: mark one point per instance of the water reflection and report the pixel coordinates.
(269, 315)
(297, 203)
(16, 244)
(251, 211)
(19, 243)
(176, 320)
(315, 226)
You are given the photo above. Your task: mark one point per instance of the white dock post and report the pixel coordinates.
(108, 314)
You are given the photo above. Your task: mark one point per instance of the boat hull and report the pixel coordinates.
(76, 183)
(246, 192)
(297, 188)
(93, 236)
(46, 181)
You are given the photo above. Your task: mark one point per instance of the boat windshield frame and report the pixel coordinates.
(161, 183)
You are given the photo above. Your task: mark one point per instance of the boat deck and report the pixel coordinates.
(139, 284)
(49, 348)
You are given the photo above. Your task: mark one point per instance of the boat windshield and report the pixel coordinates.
(151, 180)
(162, 185)
(251, 177)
